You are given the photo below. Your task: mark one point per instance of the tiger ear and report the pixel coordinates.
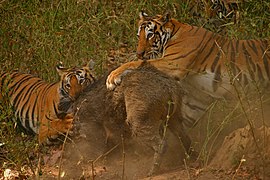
(143, 15)
(166, 18)
(60, 68)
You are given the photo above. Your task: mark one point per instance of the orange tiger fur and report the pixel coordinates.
(182, 50)
(44, 108)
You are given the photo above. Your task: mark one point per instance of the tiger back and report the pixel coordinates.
(45, 108)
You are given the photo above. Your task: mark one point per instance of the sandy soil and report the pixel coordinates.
(107, 148)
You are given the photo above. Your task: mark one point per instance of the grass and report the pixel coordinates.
(35, 35)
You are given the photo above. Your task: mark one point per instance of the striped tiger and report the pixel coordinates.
(209, 60)
(45, 108)
(224, 8)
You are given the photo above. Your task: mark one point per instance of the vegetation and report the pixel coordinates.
(35, 35)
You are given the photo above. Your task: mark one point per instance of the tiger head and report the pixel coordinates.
(153, 33)
(74, 80)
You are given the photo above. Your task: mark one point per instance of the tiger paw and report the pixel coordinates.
(75, 130)
(113, 79)
(67, 123)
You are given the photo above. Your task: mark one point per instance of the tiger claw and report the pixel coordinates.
(110, 86)
(112, 82)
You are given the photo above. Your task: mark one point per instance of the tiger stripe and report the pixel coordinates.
(207, 60)
(38, 105)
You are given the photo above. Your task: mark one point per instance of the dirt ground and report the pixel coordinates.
(107, 148)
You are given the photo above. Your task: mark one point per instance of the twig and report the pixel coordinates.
(79, 107)
(38, 165)
(92, 167)
(123, 157)
(61, 157)
(241, 162)
(161, 145)
(185, 163)
(102, 155)
(264, 130)
(31, 164)
(105, 154)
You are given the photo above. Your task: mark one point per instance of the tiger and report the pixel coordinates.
(43, 108)
(207, 59)
(222, 9)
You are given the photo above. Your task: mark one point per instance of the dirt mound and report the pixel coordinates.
(245, 149)
(239, 157)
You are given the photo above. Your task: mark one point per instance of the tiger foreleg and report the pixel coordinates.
(171, 68)
(116, 75)
(52, 128)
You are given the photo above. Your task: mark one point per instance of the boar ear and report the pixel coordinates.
(91, 64)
